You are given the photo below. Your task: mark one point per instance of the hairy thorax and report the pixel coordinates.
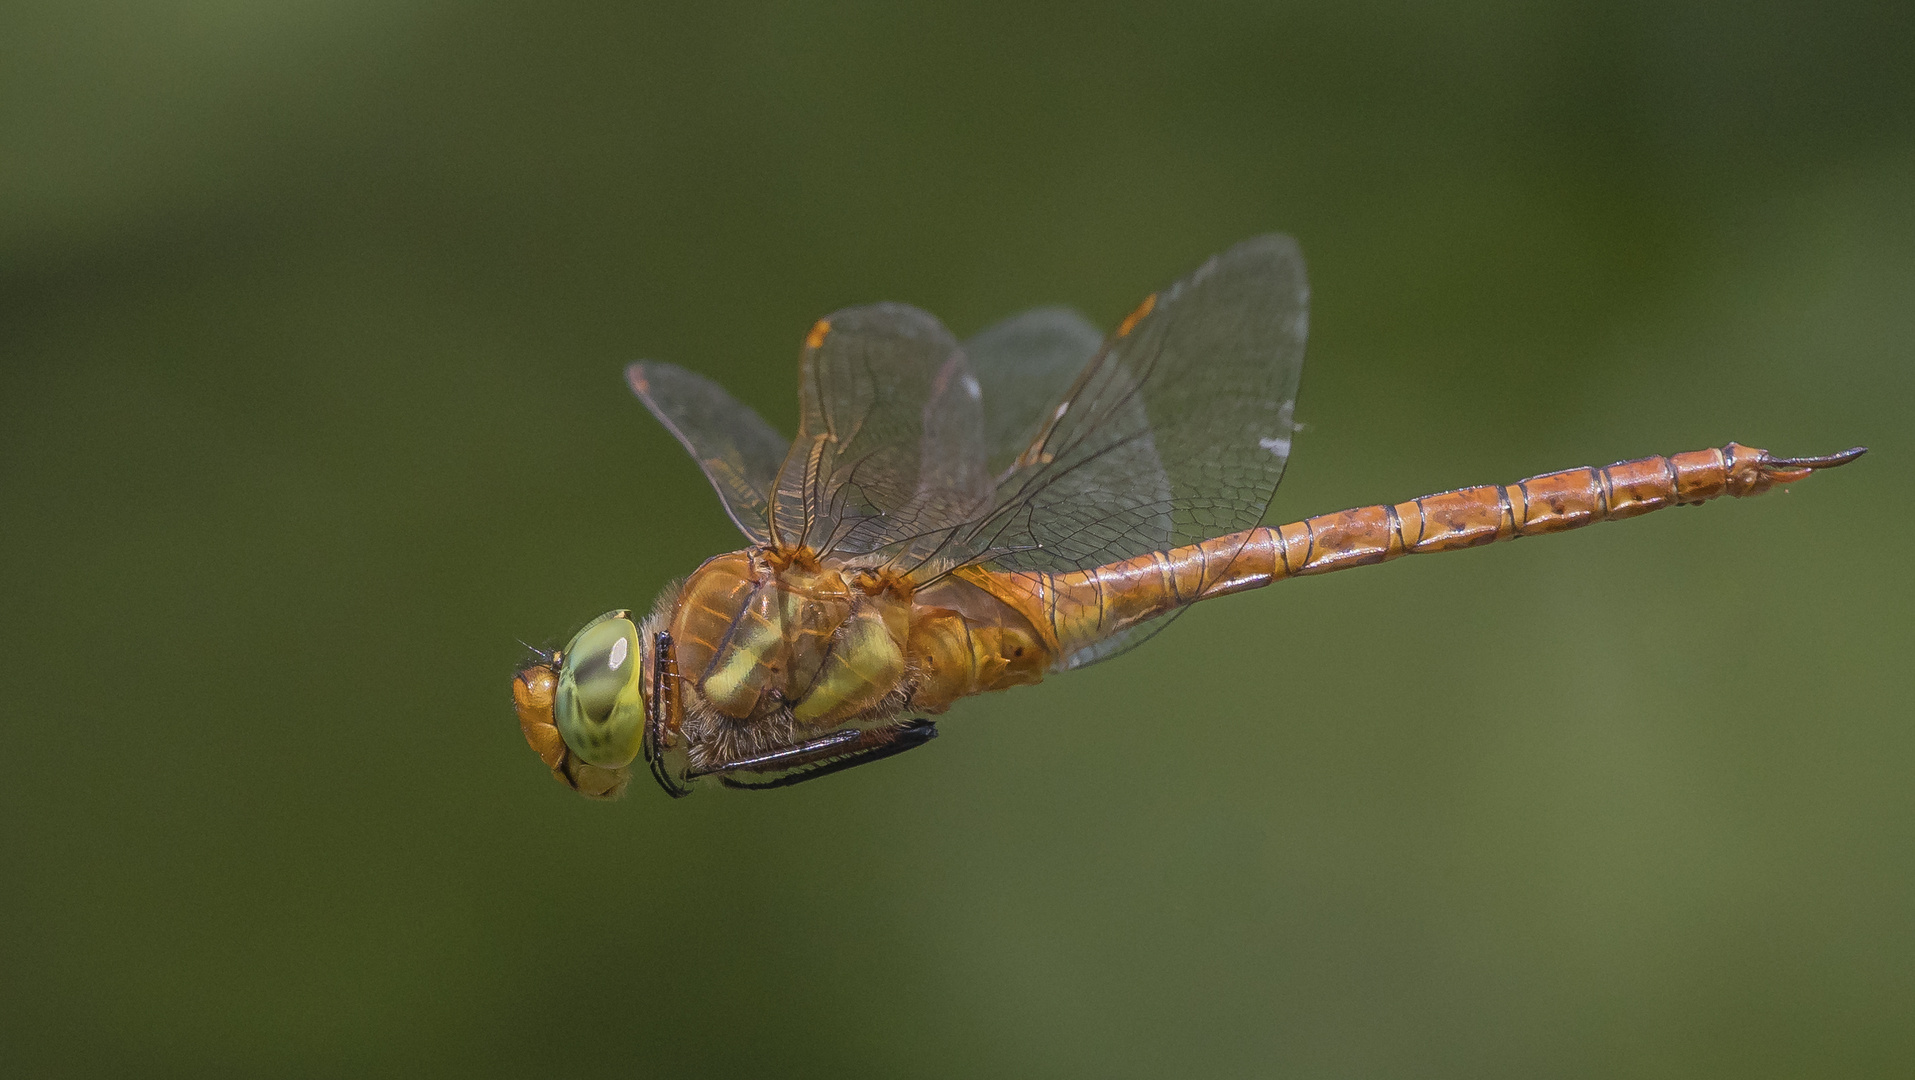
(774, 647)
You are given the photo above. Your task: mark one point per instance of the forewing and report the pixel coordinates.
(739, 452)
(890, 448)
(1175, 432)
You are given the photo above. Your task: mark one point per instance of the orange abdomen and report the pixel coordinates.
(965, 640)
(1080, 609)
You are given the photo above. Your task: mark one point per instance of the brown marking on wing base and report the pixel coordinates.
(1131, 320)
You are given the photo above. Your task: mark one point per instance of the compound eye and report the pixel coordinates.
(602, 666)
(599, 707)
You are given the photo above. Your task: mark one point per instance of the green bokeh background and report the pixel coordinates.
(312, 318)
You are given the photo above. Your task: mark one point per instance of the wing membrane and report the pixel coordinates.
(1176, 431)
(738, 451)
(1037, 446)
(890, 446)
(1025, 364)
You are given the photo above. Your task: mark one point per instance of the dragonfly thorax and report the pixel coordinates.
(772, 647)
(767, 642)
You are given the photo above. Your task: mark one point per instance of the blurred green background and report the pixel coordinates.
(312, 317)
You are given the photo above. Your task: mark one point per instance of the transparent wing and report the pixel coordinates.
(739, 452)
(890, 446)
(1025, 364)
(1175, 432)
(1117, 644)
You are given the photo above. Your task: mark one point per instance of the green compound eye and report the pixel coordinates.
(600, 705)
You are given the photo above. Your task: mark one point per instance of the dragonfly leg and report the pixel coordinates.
(833, 753)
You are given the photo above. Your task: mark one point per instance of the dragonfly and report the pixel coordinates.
(955, 518)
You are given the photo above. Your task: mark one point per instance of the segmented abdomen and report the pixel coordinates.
(1085, 607)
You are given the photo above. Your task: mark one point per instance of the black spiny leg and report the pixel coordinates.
(664, 676)
(834, 753)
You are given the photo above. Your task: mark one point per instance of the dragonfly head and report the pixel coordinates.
(583, 709)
